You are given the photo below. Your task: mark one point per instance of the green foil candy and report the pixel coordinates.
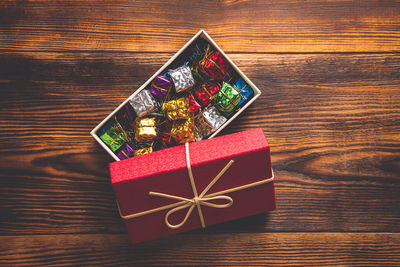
(227, 99)
(113, 138)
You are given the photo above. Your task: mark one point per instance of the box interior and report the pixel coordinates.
(201, 39)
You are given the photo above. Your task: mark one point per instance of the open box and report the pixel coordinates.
(200, 37)
(221, 179)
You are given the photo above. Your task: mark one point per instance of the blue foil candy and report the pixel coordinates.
(245, 91)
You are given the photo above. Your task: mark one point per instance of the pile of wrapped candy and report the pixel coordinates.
(194, 97)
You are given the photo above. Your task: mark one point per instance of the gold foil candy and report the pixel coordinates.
(177, 109)
(142, 151)
(146, 129)
(183, 131)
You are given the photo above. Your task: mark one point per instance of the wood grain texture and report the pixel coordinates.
(238, 26)
(332, 121)
(329, 72)
(284, 249)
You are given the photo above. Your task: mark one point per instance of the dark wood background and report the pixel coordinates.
(330, 76)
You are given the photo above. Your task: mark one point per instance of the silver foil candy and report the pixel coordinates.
(208, 122)
(143, 103)
(182, 78)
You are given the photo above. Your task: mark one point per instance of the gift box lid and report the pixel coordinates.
(166, 170)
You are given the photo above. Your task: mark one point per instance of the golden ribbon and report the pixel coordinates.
(159, 88)
(205, 89)
(197, 200)
(122, 131)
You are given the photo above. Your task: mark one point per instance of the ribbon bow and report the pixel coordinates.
(197, 200)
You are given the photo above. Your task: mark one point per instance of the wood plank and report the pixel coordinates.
(238, 26)
(283, 249)
(332, 121)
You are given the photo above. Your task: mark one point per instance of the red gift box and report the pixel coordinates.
(194, 185)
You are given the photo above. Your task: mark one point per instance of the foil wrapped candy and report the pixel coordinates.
(183, 131)
(160, 87)
(146, 129)
(215, 66)
(194, 106)
(125, 115)
(126, 152)
(206, 92)
(143, 103)
(165, 136)
(143, 151)
(227, 99)
(208, 122)
(177, 109)
(182, 78)
(113, 137)
(245, 91)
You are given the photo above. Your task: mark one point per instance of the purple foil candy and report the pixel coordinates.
(126, 152)
(130, 112)
(160, 87)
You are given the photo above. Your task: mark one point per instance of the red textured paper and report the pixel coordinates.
(165, 171)
(215, 66)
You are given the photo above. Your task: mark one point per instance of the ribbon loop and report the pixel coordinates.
(174, 226)
(205, 201)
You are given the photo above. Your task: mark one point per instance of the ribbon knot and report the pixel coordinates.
(197, 200)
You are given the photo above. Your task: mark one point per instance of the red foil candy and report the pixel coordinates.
(193, 105)
(206, 92)
(166, 138)
(215, 66)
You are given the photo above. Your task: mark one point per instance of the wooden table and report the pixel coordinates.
(330, 75)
